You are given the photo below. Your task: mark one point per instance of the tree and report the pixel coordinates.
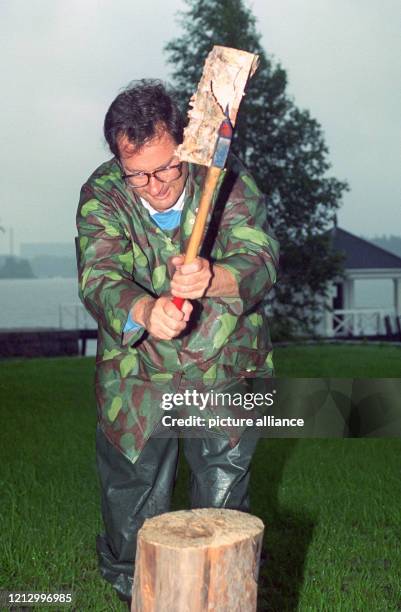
(282, 146)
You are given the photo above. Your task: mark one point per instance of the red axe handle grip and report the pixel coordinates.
(178, 302)
(195, 240)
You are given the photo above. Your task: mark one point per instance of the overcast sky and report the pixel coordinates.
(63, 62)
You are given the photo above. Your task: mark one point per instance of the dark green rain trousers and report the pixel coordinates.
(133, 492)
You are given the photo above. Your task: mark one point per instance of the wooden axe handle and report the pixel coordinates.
(212, 176)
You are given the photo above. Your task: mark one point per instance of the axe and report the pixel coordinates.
(207, 137)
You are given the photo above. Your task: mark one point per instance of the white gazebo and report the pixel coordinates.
(367, 261)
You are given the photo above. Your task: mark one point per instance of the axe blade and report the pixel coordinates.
(216, 101)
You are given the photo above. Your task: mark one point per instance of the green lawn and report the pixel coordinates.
(342, 361)
(331, 507)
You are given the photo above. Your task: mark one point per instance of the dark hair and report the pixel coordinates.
(140, 112)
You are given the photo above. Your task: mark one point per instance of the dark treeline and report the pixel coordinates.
(390, 243)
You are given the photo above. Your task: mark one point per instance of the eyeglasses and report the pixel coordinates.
(164, 175)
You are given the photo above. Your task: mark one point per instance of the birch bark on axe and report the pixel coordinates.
(207, 137)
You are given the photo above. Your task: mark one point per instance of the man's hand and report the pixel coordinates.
(191, 281)
(161, 318)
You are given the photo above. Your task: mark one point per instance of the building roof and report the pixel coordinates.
(362, 254)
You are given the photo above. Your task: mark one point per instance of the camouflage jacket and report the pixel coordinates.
(123, 255)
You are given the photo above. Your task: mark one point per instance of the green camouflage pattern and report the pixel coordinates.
(123, 256)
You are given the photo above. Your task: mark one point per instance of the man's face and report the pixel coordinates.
(154, 155)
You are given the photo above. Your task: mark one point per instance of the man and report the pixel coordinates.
(134, 220)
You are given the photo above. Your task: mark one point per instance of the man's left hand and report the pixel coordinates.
(191, 281)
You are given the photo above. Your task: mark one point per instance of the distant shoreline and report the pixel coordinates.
(34, 277)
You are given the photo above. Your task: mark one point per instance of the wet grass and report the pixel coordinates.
(338, 361)
(331, 507)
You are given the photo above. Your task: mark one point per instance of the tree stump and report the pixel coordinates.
(204, 560)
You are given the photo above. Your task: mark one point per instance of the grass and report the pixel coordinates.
(331, 507)
(342, 361)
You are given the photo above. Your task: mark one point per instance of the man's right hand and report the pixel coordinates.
(161, 318)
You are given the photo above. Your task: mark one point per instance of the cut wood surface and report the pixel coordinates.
(222, 85)
(198, 561)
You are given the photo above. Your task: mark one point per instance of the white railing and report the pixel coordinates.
(359, 322)
(75, 316)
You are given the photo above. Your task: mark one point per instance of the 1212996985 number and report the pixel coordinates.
(30, 598)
